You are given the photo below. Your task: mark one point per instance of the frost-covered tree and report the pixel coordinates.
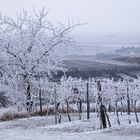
(30, 45)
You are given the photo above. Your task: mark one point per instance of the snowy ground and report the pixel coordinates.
(43, 128)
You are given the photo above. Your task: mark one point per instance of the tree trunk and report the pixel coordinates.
(29, 103)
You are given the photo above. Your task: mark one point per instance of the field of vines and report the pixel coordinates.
(116, 96)
(73, 95)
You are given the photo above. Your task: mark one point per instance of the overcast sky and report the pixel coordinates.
(102, 16)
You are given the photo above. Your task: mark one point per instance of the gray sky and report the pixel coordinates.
(102, 16)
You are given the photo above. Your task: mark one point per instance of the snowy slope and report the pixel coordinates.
(37, 128)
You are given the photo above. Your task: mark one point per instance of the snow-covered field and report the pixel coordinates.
(43, 128)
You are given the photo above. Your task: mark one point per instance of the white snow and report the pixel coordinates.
(43, 128)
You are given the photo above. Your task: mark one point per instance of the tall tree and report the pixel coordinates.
(30, 44)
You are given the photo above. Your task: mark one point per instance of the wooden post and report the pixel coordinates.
(103, 116)
(88, 107)
(40, 102)
(128, 104)
(79, 105)
(116, 109)
(68, 110)
(55, 103)
(135, 110)
(107, 117)
(121, 106)
(102, 108)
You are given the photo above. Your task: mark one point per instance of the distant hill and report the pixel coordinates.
(124, 61)
(129, 59)
(85, 68)
(122, 52)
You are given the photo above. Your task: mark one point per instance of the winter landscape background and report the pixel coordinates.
(70, 69)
